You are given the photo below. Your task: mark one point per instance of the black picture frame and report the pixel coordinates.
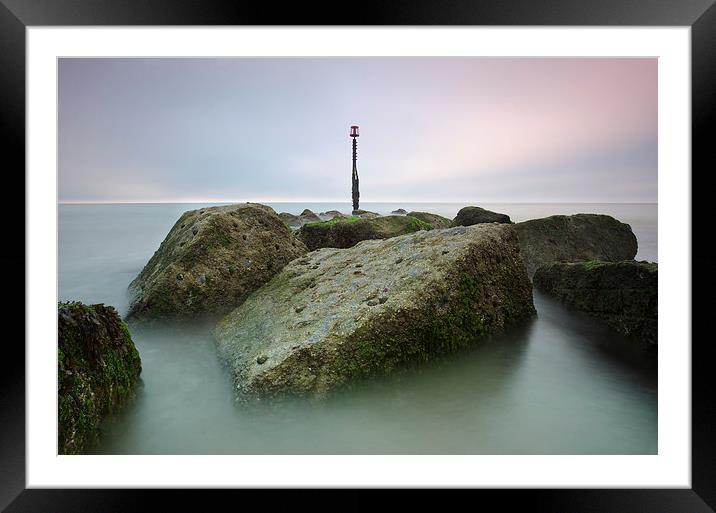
(17, 15)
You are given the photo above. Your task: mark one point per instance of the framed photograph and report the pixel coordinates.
(419, 251)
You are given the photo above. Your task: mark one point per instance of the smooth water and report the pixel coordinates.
(561, 384)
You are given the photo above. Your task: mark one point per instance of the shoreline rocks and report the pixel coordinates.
(347, 232)
(98, 370)
(622, 294)
(365, 214)
(211, 260)
(331, 214)
(296, 221)
(434, 220)
(335, 316)
(468, 216)
(575, 238)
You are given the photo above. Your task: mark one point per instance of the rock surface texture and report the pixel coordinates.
(98, 368)
(623, 294)
(338, 315)
(211, 260)
(468, 216)
(349, 231)
(581, 237)
(434, 220)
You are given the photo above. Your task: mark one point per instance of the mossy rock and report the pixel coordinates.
(622, 294)
(576, 238)
(339, 315)
(211, 260)
(98, 369)
(345, 232)
(469, 216)
(436, 221)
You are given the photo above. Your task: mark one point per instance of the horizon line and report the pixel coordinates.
(187, 202)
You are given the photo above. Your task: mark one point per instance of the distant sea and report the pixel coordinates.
(562, 384)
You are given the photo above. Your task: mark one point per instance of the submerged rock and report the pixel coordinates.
(338, 315)
(468, 216)
(623, 294)
(349, 231)
(576, 238)
(211, 260)
(98, 369)
(434, 220)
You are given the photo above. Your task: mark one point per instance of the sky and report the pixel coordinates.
(431, 129)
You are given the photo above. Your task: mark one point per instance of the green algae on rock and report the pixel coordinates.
(337, 315)
(580, 237)
(211, 260)
(468, 216)
(98, 368)
(622, 294)
(434, 220)
(345, 232)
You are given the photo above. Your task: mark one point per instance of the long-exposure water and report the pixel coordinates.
(561, 384)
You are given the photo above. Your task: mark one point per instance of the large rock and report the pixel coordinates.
(98, 368)
(623, 294)
(434, 220)
(576, 238)
(211, 260)
(337, 315)
(349, 231)
(468, 216)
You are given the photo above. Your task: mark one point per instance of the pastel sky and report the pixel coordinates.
(432, 129)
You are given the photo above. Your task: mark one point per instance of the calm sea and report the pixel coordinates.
(562, 384)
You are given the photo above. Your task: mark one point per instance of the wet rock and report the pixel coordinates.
(438, 303)
(98, 370)
(219, 253)
(576, 238)
(469, 216)
(261, 359)
(347, 232)
(622, 294)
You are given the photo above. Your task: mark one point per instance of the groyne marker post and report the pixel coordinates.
(354, 178)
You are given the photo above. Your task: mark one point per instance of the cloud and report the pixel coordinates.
(437, 129)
